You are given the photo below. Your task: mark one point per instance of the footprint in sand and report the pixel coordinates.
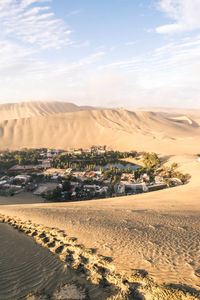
(197, 273)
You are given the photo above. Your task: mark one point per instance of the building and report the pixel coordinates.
(128, 177)
(137, 187)
(23, 178)
(2, 182)
(158, 179)
(156, 187)
(120, 189)
(78, 151)
(19, 168)
(176, 181)
(145, 177)
(91, 187)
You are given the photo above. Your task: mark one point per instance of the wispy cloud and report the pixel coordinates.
(123, 64)
(29, 28)
(74, 12)
(31, 22)
(184, 13)
(178, 53)
(130, 43)
(82, 44)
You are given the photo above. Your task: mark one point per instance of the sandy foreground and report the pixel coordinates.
(31, 272)
(158, 232)
(26, 267)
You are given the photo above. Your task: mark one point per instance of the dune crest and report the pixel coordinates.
(117, 128)
(36, 108)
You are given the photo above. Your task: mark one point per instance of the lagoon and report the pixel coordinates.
(118, 165)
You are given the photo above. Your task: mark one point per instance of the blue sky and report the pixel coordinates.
(129, 53)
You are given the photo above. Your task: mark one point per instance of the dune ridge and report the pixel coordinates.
(37, 108)
(116, 128)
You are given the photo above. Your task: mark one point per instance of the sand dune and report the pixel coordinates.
(158, 231)
(33, 109)
(184, 119)
(29, 271)
(172, 110)
(112, 283)
(27, 268)
(120, 129)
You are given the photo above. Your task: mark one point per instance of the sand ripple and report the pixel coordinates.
(32, 271)
(28, 268)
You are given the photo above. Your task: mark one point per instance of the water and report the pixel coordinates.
(118, 165)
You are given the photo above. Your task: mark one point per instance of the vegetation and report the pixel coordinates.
(89, 161)
(170, 173)
(28, 157)
(23, 157)
(54, 195)
(151, 161)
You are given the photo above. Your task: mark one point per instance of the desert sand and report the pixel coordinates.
(19, 110)
(159, 231)
(120, 129)
(22, 198)
(28, 269)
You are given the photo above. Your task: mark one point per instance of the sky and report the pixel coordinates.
(116, 53)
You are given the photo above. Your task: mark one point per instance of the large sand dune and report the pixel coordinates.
(37, 108)
(120, 129)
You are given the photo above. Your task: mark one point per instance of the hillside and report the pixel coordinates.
(120, 129)
(34, 109)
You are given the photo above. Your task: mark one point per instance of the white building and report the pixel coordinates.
(137, 186)
(2, 182)
(121, 188)
(23, 178)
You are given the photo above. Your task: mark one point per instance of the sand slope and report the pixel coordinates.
(120, 129)
(37, 108)
(26, 267)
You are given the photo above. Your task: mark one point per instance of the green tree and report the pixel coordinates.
(115, 179)
(66, 186)
(21, 160)
(174, 166)
(151, 161)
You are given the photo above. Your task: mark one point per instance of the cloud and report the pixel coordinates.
(111, 88)
(130, 64)
(73, 13)
(28, 72)
(25, 76)
(82, 45)
(130, 44)
(30, 22)
(184, 13)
